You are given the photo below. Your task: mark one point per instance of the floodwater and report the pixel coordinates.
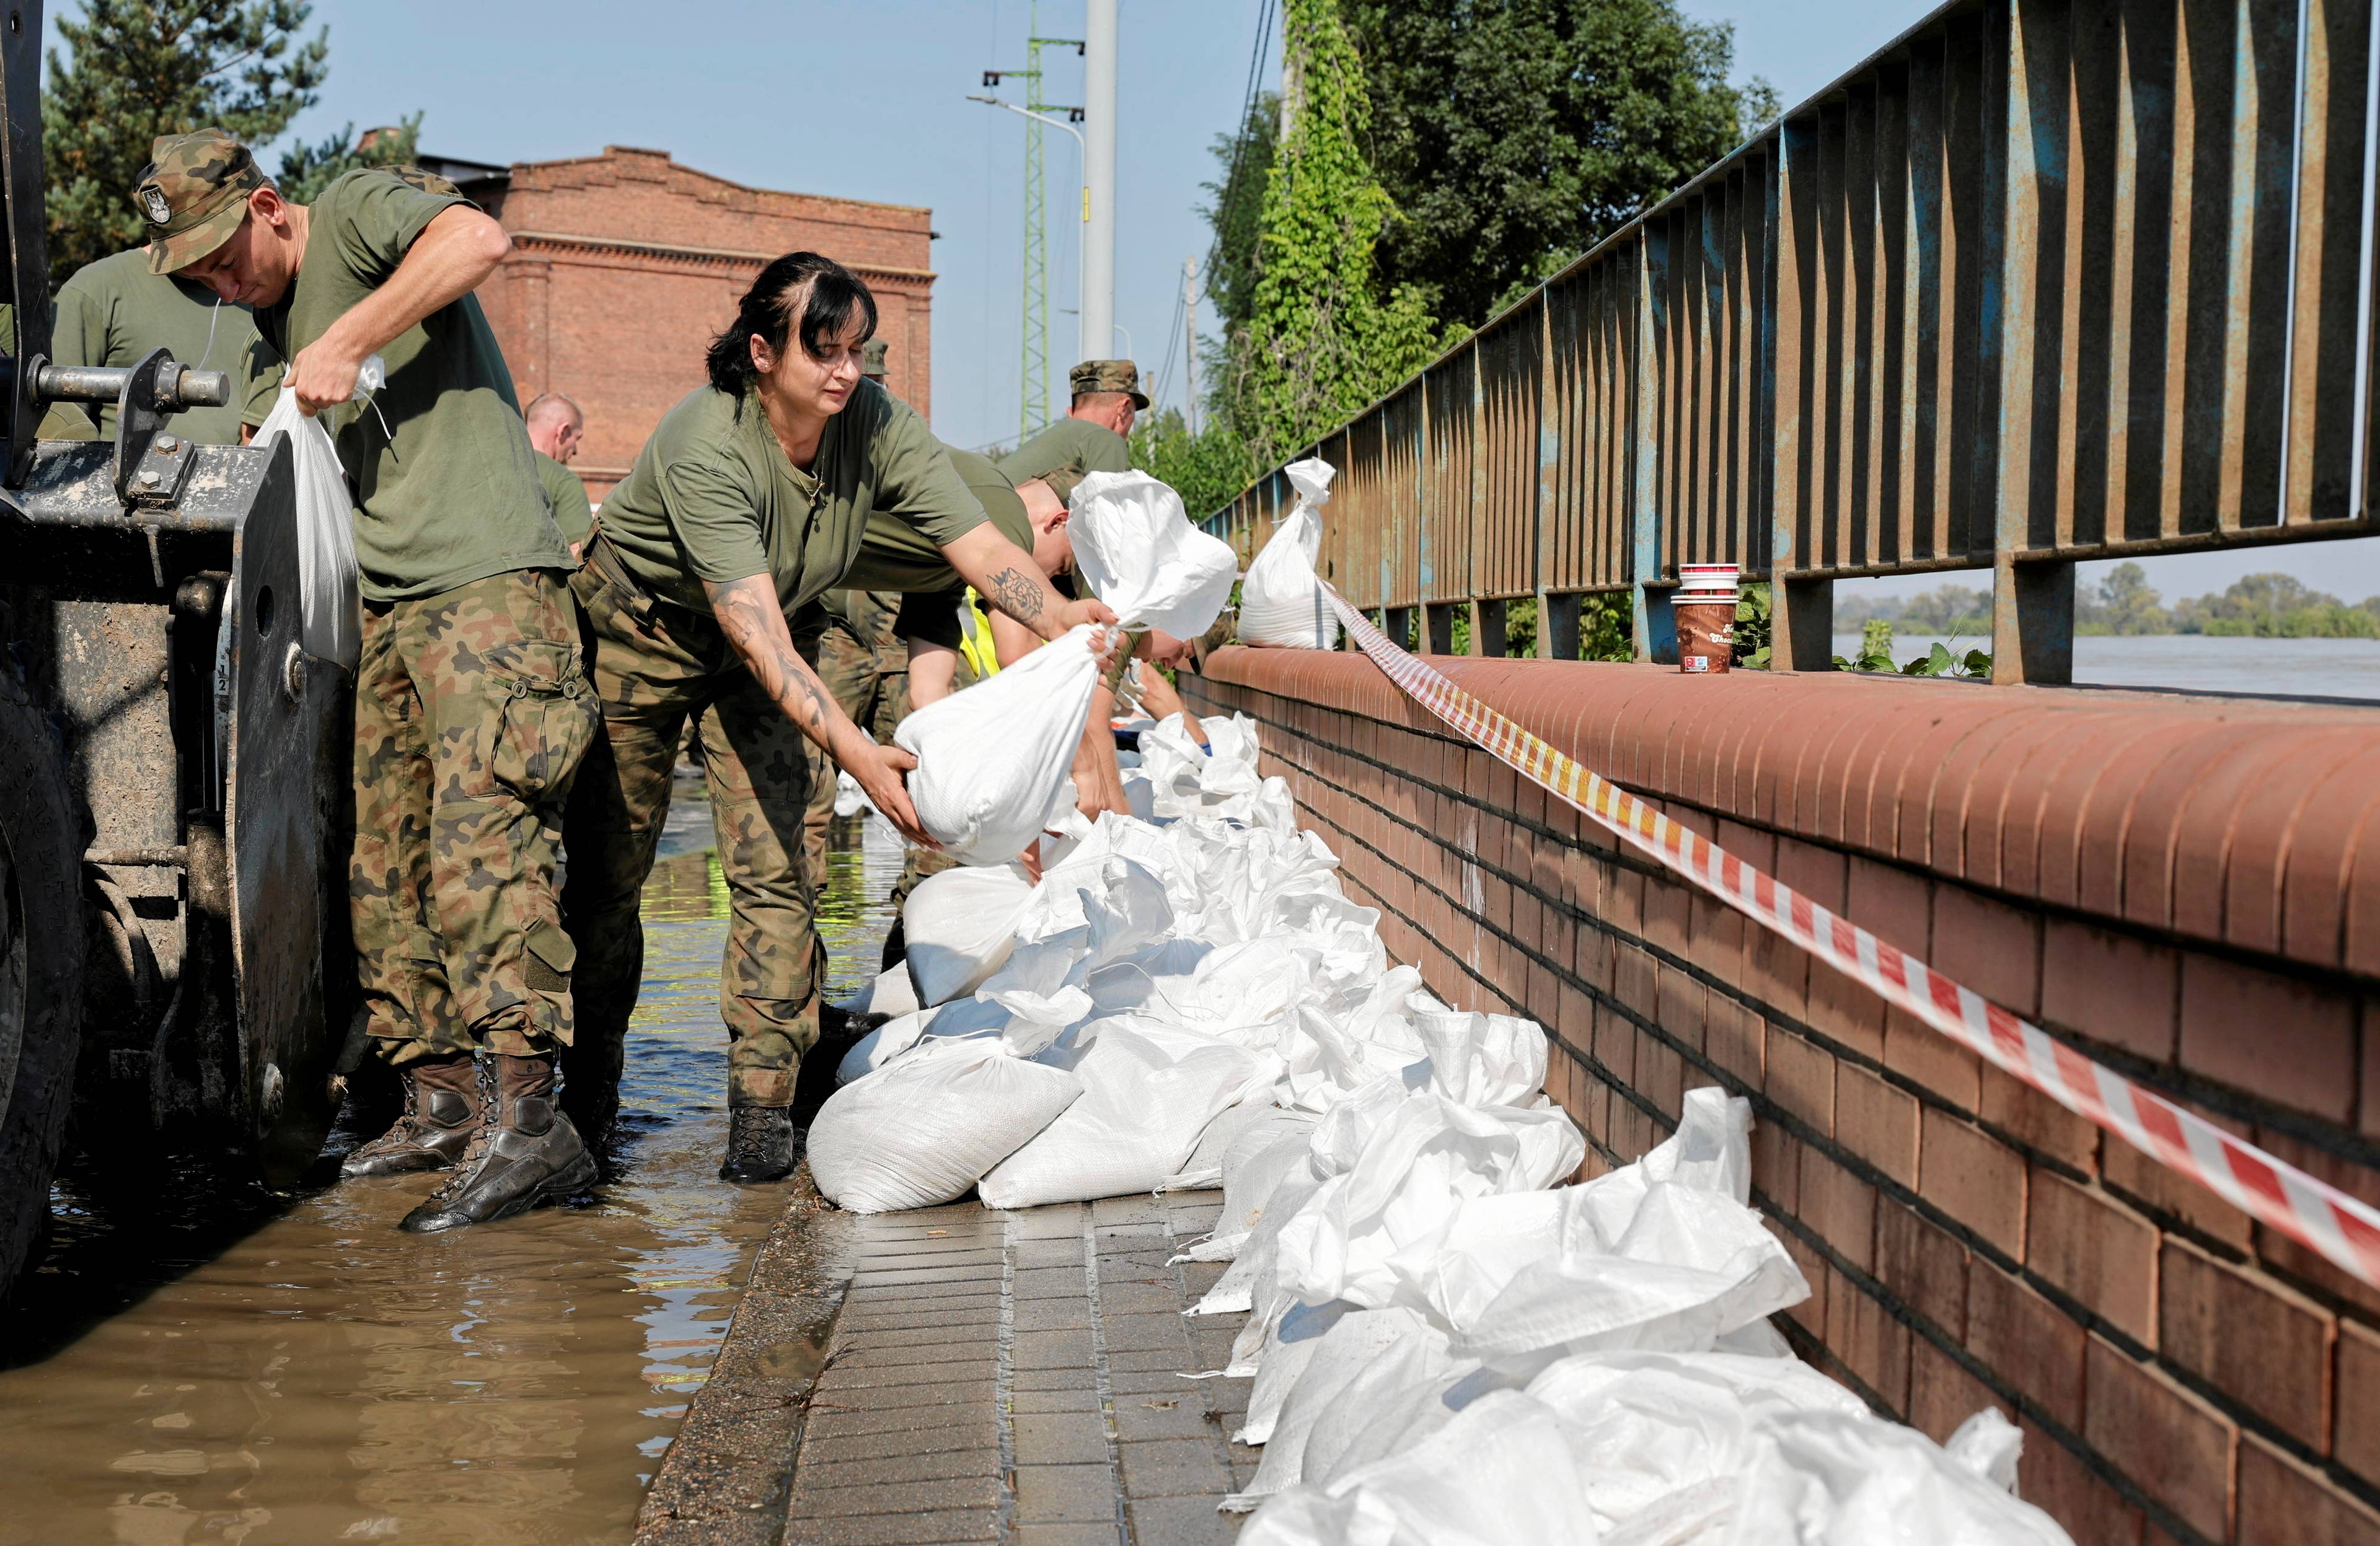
(2198, 662)
(196, 1362)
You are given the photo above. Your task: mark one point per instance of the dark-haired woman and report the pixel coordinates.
(753, 497)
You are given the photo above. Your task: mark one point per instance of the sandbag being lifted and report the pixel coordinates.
(994, 760)
(1142, 556)
(330, 611)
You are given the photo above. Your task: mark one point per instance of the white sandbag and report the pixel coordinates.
(1498, 1473)
(1427, 1157)
(1310, 1363)
(1478, 1059)
(1255, 1165)
(1283, 604)
(960, 927)
(889, 996)
(992, 759)
(922, 1129)
(1255, 1123)
(1651, 1426)
(1830, 1479)
(882, 1045)
(1147, 1093)
(1655, 1257)
(1137, 547)
(330, 610)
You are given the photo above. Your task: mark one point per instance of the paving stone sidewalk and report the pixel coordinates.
(1012, 1377)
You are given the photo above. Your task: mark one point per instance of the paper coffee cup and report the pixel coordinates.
(1705, 631)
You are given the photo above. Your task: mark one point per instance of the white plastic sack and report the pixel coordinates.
(992, 760)
(1282, 605)
(1498, 1473)
(331, 610)
(888, 997)
(961, 925)
(1842, 1480)
(882, 1045)
(921, 1131)
(1143, 557)
(1147, 1093)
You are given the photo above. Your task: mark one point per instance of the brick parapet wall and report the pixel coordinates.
(2181, 1372)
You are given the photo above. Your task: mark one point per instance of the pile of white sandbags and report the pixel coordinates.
(1448, 1342)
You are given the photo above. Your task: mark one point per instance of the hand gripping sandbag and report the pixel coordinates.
(1143, 557)
(1282, 602)
(331, 606)
(992, 759)
(922, 1129)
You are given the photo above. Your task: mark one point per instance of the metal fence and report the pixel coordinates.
(2044, 280)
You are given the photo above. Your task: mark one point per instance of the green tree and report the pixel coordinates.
(1234, 209)
(132, 71)
(1513, 135)
(2128, 604)
(1207, 469)
(307, 170)
(1322, 339)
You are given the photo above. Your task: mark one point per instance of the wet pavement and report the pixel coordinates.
(197, 1361)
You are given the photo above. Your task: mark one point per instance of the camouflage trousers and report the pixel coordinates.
(655, 667)
(876, 699)
(473, 712)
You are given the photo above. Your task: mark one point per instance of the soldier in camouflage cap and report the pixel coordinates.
(871, 359)
(473, 709)
(1091, 438)
(194, 195)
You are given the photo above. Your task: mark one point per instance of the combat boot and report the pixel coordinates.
(762, 1145)
(442, 1112)
(525, 1153)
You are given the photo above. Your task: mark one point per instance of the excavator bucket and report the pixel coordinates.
(287, 817)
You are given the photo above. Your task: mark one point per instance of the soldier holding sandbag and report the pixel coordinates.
(787, 476)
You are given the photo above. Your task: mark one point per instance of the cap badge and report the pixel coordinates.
(153, 198)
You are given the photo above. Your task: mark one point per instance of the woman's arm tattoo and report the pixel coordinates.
(1014, 593)
(749, 615)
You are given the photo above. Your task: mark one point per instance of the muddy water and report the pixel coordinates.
(196, 1362)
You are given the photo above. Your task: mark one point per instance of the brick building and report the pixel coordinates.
(625, 264)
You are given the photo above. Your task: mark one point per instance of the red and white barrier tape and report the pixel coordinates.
(2345, 1231)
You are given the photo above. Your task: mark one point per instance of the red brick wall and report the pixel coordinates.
(624, 266)
(2191, 893)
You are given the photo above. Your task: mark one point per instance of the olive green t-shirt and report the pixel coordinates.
(445, 485)
(1065, 450)
(566, 496)
(933, 591)
(114, 311)
(713, 499)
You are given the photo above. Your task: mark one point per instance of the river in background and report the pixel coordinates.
(198, 1362)
(2197, 662)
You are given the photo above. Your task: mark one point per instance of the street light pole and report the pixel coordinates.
(1082, 334)
(1098, 171)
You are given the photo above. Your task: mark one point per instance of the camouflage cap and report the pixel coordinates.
(872, 358)
(1063, 478)
(193, 195)
(1108, 375)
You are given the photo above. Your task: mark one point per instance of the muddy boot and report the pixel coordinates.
(442, 1112)
(762, 1145)
(526, 1154)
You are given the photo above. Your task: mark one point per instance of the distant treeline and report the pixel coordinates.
(2258, 606)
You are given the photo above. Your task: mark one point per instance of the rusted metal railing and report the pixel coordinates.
(2039, 282)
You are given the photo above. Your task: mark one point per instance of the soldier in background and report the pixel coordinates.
(555, 427)
(114, 311)
(1093, 436)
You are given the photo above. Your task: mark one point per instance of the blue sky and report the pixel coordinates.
(867, 99)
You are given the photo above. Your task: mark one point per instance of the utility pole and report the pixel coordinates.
(1033, 368)
(1190, 337)
(1099, 178)
(1292, 82)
